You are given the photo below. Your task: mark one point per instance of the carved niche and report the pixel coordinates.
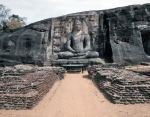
(65, 25)
(9, 45)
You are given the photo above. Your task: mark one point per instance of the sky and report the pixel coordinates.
(36, 10)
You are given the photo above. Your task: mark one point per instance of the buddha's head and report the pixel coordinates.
(78, 25)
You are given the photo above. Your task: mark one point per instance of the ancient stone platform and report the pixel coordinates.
(23, 88)
(121, 86)
(77, 61)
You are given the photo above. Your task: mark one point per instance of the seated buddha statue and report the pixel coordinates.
(78, 39)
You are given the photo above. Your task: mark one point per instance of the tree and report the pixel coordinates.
(4, 14)
(8, 22)
(15, 21)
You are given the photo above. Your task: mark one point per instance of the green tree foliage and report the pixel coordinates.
(8, 22)
(15, 21)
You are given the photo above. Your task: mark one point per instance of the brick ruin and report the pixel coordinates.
(121, 86)
(23, 88)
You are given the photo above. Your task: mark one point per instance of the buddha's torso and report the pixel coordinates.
(77, 41)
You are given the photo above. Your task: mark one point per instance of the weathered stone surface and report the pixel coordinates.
(60, 62)
(121, 86)
(23, 86)
(78, 44)
(117, 35)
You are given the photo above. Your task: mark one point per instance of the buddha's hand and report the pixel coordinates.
(73, 51)
(76, 51)
(84, 51)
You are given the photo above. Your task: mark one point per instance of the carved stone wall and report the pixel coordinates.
(62, 26)
(25, 45)
(128, 33)
(118, 35)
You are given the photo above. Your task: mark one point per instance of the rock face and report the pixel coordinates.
(118, 35)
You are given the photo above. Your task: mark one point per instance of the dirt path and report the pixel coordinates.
(76, 96)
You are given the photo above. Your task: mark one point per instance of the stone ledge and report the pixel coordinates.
(77, 61)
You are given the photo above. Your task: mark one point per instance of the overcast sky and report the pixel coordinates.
(36, 10)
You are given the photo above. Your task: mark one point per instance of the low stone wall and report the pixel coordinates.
(59, 71)
(142, 71)
(22, 87)
(25, 69)
(121, 86)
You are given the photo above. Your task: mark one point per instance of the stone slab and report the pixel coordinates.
(77, 61)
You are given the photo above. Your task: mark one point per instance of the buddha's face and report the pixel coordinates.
(78, 26)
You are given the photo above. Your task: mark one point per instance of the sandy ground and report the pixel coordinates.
(77, 96)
